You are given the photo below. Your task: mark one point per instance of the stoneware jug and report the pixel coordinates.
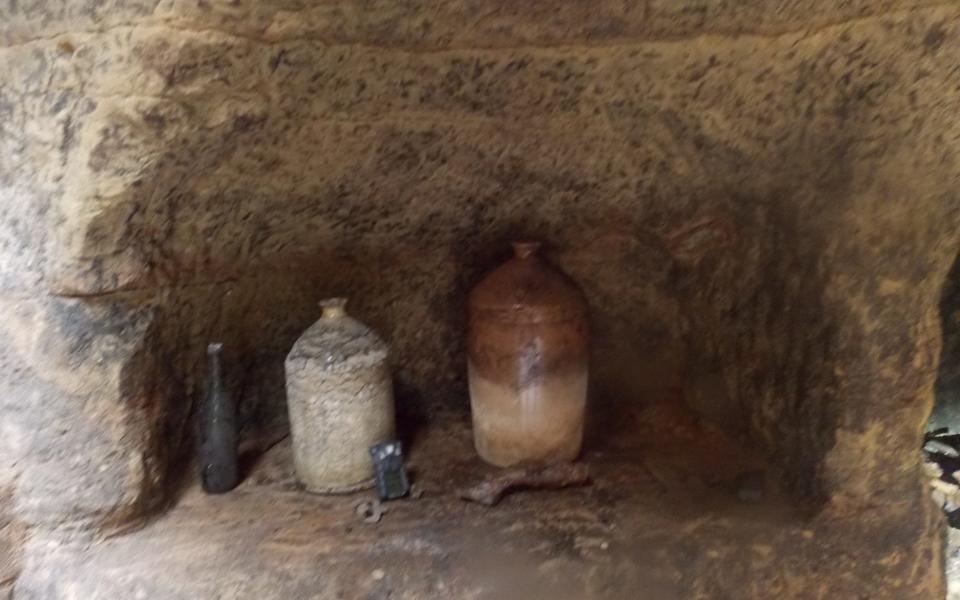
(527, 362)
(340, 400)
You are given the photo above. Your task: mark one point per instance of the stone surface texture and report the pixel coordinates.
(758, 198)
(636, 529)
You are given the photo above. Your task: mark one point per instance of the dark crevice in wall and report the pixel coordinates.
(946, 411)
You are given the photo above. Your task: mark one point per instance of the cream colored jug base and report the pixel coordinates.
(342, 489)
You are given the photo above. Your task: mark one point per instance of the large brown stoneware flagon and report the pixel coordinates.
(527, 362)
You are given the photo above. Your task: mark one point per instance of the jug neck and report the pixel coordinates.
(333, 308)
(525, 249)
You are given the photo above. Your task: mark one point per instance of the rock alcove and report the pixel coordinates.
(758, 200)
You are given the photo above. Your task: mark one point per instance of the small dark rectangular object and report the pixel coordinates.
(391, 476)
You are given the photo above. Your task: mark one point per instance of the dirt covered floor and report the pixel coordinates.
(675, 510)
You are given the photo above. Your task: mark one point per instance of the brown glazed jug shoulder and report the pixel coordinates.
(527, 362)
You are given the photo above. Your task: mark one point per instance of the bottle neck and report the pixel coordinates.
(214, 353)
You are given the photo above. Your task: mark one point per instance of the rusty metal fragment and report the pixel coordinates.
(490, 491)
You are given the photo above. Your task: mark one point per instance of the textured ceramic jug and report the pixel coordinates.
(527, 362)
(340, 400)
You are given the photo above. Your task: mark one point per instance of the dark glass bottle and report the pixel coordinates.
(218, 430)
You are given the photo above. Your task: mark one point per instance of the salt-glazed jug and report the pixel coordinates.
(340, 401)
(527, 349)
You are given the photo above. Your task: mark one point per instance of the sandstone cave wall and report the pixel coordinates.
(759, 201)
